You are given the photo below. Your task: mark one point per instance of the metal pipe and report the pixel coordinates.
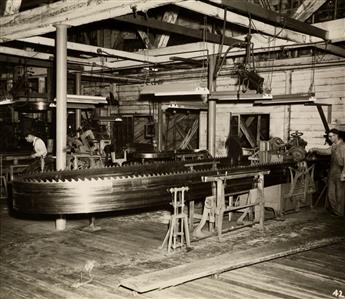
(211, 125)
(78, 92)
(61, 95)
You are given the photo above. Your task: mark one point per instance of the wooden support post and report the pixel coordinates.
(191, 214)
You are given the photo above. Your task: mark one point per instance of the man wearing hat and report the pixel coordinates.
(336, 176)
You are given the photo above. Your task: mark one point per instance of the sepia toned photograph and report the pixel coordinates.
(172, 149)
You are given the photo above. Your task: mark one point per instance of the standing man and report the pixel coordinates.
(336, 176)
(39, 148)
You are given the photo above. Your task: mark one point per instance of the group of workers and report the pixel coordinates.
(336, 176)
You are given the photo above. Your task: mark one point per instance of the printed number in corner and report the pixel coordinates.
(338, 294)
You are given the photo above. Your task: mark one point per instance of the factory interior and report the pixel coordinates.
(172, 149)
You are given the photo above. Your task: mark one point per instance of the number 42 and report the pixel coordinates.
(338, 293)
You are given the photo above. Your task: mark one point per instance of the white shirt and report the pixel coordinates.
(39, 147)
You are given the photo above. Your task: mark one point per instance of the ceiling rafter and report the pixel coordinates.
(11, 6)
(169, 16)
(36, 55)
(258, 12)
(177, 29)
(307, 8)
(234, 18)
(269, 29)
(92, 49)
(42, 19)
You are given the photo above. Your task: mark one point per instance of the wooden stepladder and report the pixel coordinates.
(178, 231)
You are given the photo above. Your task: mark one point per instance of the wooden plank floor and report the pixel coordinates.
(312, 274)
(39, 262)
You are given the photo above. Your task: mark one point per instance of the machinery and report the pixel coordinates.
(276, 150)
(128, 187)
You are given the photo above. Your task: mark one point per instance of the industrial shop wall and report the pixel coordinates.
(324, 75)
(292, 76)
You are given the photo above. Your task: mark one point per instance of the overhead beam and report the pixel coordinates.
(92, 49)
(307, 8)
(27, 61)
(145, 38)
(42, 19)
(243, 21)
(199, 50)
(181, 30)
(33, 55)
(25, 53)
(162, 40)
(10, 7)
(19, 60)
(336, 50)
(258, 12)
(190, 50)
(336, 29)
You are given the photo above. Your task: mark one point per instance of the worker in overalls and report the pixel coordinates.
(39, 148)
(336, 176)
(234, 149)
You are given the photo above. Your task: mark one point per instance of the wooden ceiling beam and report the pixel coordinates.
(25, 54)
(181, 30)
(19, 60)
(92, 49)
(329, 48)
(162, 40)
(243, 21)
(307, 8)
(336, 29)
(258, 12)
(10, 7)
(42, 19)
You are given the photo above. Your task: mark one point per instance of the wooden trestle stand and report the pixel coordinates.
(178, 230)
(217, 208)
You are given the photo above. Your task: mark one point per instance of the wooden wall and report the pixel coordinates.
(325, 75)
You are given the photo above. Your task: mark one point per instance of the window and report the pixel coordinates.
(250, 128)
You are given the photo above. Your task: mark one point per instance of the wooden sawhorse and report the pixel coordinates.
(220, 207)
(178, 230)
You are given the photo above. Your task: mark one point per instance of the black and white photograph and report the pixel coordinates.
(172, 149)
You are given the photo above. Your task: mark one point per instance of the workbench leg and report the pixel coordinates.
(191, 215)
(186, 229)
(171, 232)
(220, 207)
(261, 198)
(206, 215)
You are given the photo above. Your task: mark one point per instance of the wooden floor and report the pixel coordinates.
(39, 262)
(312, 274)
